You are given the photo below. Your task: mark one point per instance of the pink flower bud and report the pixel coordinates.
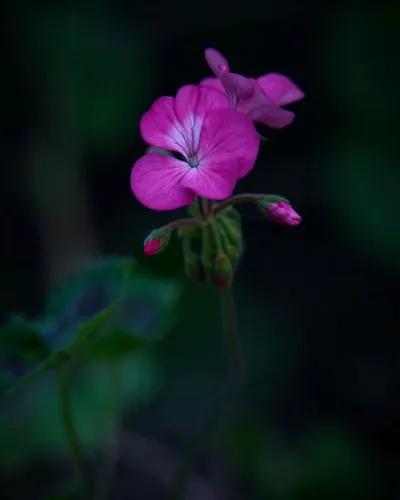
(283, 213)
(156, 242)
(151, 247)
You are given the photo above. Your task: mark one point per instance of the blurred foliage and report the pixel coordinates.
(104, 316)
(107, 311)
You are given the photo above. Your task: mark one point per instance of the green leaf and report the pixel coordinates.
(143, 316)
(22, 348)
(30, 422)
(107, 311)
(85, 335)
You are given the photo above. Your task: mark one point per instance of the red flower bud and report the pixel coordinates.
(151, 247)
(279, 210)
(223, 271)
(156, 242)
(283, 213)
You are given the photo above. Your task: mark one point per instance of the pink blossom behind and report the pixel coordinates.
(261, 99)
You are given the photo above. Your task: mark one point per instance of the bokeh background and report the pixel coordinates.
(319, 417)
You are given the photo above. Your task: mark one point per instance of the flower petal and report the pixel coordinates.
(237, 87)
(247, 96)
(280, 89)
(213, 83)
(229, 143)
(193, 102)
(271, 115)
(216, 61)
(214, 181)
(156, 181)
(161, 128)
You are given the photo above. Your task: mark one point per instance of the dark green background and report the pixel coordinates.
(318, 305)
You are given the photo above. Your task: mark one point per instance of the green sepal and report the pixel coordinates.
(193, 264)
(208, 251)
(270, 198)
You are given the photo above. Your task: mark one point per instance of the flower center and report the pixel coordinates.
(192, 159)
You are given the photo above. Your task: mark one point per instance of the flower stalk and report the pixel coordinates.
(229, 318)
(70, 429)
(247, 198)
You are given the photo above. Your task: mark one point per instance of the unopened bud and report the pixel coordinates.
(223, 271)
(156, 242)
(280, 211)
(194, 269)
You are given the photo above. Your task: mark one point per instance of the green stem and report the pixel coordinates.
(104, 481)
(206, 251)
(70, 429)
(238, 198)
(176, 224)
(230, 327)
(223, 403)
(247, 198)
(216, 236)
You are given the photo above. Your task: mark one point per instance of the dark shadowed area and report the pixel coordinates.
(318, 312)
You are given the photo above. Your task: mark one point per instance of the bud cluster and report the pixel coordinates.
(212, 239)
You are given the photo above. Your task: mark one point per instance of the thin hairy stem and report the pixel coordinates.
(238, 198)
(224, 403)
(176, 224)
(106, 473)
(230, 326)
(70, 429)
(216, 236)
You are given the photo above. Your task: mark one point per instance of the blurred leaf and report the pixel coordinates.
(85, 335)
(31, 424)
(106, 311)
(147, 312)
(22, 347)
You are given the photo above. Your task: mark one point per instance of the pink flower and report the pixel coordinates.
(261, 99)
(214, 145)
(283, 213)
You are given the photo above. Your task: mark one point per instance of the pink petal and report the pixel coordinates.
(216, 61)
(229, 137)
(271, 115)
(213, 83)
(237, 87)
(252, 101)
(174, 123)
(160, 127)
(193, 102)
(280, 89)
(247, 96)
(156, 181)
(214, 181)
